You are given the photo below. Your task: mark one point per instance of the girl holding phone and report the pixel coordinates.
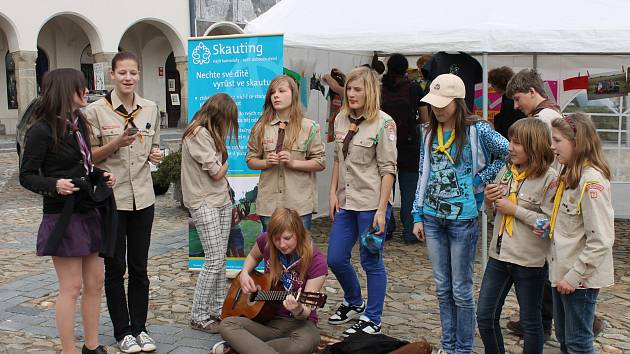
(125, 137)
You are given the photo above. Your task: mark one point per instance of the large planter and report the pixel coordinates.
(169, 172)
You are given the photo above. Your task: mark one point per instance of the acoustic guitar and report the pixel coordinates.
(260, 306)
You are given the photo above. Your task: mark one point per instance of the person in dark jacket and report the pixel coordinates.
(56, 155)
(400, 98)
(508, 115)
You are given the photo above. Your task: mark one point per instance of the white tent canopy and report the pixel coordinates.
(490, 26)
(360, 27)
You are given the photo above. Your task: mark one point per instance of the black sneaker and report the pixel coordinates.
(346, 312)
(98, 350)
(364, 325)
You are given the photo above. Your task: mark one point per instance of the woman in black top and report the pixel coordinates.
(400, 98)
(57, 164)
(499, 78)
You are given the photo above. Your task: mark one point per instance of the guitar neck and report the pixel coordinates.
(271, 295)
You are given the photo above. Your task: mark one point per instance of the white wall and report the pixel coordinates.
(108, 22)
(154, 55)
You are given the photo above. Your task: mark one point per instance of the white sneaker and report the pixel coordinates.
(129, 345)
(146, 343)
(364, 325)
(221, 347)
(346, 312)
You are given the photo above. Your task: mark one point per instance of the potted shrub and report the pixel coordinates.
(168, 172)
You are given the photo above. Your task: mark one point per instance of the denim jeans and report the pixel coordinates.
(452, 245)
(306, 220)
(407, 181)
(346, 228)
(574, 315)
(497, 281)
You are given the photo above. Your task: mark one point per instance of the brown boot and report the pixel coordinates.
(515, 328)
(598, 326)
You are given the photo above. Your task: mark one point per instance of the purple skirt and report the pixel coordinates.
(82, 236)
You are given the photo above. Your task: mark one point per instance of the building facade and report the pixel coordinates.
(37, 36)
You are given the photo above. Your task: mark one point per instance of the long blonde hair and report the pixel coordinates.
(372, 89)
(587, 149)
(284, 219)
(219, 115)
(296, 113)
(534, 135)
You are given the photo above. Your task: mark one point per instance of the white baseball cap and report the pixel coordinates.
(444, 89)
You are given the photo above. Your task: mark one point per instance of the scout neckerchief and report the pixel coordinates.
(121, 111)
(558, 198)
(556, 206)
(288, 276)
(354, 124)
(281, 130)
(443, 148)
(507, 223)
(73, 126)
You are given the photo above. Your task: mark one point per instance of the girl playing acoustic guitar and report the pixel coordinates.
(294, 263)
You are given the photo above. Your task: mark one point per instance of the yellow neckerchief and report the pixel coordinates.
(558, 198)
(443, 148)
(128, 117)
(507, 223)
(556, 206)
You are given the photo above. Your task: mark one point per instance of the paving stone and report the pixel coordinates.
(188, 350)
(24, 310)
(42, 330)
(12, 325)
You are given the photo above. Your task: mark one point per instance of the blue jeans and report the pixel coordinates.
(452, 245)
(407, 181)
(574, 315)
(346, 228)
(497, 281)
(306, 220)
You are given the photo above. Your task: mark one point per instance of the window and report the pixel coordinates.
(610, 116)
(12, 102)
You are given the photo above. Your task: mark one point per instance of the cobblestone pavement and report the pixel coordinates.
(28, 285)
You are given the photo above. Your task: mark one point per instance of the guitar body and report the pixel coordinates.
(239, 304)
(261, 305)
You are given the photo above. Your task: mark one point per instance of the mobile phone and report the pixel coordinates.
(132, 131)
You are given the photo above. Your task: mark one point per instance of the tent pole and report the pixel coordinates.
(484, 216)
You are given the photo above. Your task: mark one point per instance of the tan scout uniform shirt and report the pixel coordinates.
(284, 187)
(583, 238)
(371, 155)
(200, 159)
(524, 247)
(129, 164)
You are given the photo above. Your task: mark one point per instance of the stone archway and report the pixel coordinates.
(9, 73)
(68, 40)
(153, 41)
(223, 28)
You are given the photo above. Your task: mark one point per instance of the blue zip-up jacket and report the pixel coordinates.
(489, 150)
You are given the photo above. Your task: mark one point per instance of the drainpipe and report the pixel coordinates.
(192, 10)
